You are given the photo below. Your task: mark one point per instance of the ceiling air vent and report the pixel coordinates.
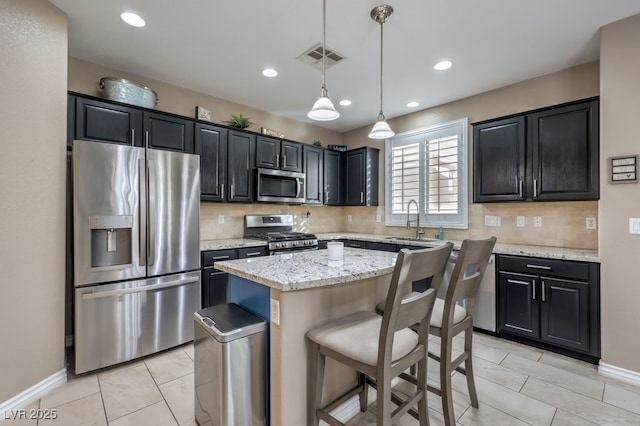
(313, 57)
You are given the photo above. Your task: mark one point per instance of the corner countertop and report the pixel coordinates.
(581, 255)
(311, 269)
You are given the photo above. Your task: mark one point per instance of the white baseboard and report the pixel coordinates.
(34, 392)
(622, 374)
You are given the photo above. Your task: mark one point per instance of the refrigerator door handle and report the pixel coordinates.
(142, 214)
(152, 215)
(109, 293)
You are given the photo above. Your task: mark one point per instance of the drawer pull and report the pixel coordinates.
(546, 268)
(254, 253)
(220, 257)
(518, 282)
(355, 245)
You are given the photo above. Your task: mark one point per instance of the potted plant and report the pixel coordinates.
(239, 121)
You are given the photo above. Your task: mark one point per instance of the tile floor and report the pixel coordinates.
(517, 385)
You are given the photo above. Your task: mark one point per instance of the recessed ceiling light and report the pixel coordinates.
(443, 65)
(413, 104)
(269, 72)
(345, 102)
(133, 19)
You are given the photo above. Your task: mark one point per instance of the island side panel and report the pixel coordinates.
(301, 311)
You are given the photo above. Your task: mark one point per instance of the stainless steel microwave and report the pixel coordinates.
(278, 186)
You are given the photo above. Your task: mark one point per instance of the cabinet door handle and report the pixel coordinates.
(535, 188)
(284, 161)
(520, 188)
(533, 289)
(133, 136)
(277, 161)
(232, 191)
(361, 197)
(544, 293)
(146, 139)
(222, 191)
(518, 282)
(546, 268)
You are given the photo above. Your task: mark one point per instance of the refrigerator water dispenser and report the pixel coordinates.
(110, 240)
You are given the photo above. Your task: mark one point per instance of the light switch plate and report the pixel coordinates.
(537, 221)
(634, 225)
(520, 221)
(591, 223)
(220, 219)
(275, 311)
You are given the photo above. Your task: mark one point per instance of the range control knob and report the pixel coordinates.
(295, 243)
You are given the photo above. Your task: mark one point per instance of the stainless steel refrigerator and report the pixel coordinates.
(136, 251)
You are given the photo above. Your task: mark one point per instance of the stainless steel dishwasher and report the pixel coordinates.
(484, 316)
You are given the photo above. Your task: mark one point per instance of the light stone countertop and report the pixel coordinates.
(581, 255)
(310, 269)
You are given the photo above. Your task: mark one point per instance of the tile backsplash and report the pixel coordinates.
(563, 223)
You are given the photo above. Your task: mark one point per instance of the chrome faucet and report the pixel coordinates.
(419, 231)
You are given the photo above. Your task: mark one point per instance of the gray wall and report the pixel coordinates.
(33, 72)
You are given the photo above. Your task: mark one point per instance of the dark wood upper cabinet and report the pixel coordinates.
(499, 160)
(313, 167)
(241, 152)
(361, 175)
(168, 133)
(279, 154)
(333, 174)
(565, 146)
(545, 155)
(211, 145)
(107, 122)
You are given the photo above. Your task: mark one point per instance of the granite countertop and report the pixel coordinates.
(310, 269)
(582, 255)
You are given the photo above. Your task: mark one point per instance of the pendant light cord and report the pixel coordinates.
(324, 41)
(381, 61)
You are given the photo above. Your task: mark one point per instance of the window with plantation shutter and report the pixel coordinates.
(429, 166)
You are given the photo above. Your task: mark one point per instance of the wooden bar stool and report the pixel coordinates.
(381, 348)
(450, 319)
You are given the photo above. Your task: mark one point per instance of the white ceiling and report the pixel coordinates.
(220, 47)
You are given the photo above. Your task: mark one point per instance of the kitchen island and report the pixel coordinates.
(296, 292)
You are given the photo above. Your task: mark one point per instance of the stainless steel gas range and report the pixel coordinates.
(277, 230)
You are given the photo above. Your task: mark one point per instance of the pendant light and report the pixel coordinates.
(323, 109)
(381, 129)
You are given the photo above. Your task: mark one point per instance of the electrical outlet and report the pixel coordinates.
(349, 217)
(591, 223)
(378, 218)
(537, 221)
(275, 311)
(520, 221)
(220, 219)
(634, 225)
(492, 221)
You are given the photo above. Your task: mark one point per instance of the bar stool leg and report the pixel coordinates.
(315, 382)
(384, 402)
(364, 392)
(468, 366)
(446, 392)
(423, 409)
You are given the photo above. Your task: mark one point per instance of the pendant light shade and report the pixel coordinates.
(323, 109)
(381, 129)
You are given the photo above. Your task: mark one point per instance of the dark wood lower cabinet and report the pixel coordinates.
(550, 302)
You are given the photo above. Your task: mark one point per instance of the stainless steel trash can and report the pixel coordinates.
(229, 367)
